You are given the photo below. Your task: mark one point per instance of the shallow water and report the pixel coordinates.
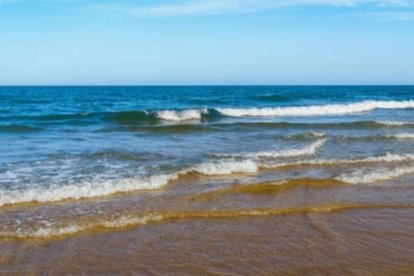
(244, 180)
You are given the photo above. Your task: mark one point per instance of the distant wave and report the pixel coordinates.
(178, 116)
(299, 111)
(394, 123)
(201, 114)
(316, 110)
(400, 136)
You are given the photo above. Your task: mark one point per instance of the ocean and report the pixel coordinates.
(176, 178)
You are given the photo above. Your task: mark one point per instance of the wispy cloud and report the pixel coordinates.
(397, 3)
(209, 7)
(390, 16)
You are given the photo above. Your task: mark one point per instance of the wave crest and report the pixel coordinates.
(178, 116)
(83, 190)
(308, 150)
(365, 176)
(316, 110)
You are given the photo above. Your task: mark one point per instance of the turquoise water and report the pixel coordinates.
(82, 142)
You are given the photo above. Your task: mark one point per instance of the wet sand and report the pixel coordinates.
(263, 228)
(353, 242)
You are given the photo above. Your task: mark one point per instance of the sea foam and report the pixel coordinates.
(394, 123)
(400, 136)
(370, 176)
(308, 150)
(316, 110)
(224, 167)
(387, 158)
(83, 190)
(184, 115)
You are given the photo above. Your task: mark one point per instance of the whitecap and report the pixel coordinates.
(316, 110)
(184, 115)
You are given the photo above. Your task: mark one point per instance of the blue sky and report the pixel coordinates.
(226, 42)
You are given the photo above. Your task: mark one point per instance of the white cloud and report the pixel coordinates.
(208, 7)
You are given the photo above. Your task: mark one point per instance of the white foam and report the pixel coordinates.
(387, 158)
(394, 123)
(86, 190)
(83, 190)
(401, 136)
(370, 176)
(315, 134)
(316, 110)
(178, 116)
(53, 230)
(224, 167)
(308, 150)
(221, 167)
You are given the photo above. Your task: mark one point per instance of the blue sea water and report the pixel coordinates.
(69, 143)
(129, 131)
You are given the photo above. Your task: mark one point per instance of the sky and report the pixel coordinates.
(206, 42)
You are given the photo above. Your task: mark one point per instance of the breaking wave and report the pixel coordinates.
(178, 116)
(370, 176)
(394, 123)
(213, 168)
(400, 136)
(316, 110)
(154, 116)
(224, 167)
(83, 190)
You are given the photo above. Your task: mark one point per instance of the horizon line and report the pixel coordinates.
(191, 85)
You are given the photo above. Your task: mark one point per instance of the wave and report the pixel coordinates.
(202, 114)
(387, 158)
(308, 150)
(394, 123)
(98, 189)
(178, 116)
(224, 167)
(87, 190)
(400, 136)
(316, 110)
(53, 230)
(83, 190)
(370, 176)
